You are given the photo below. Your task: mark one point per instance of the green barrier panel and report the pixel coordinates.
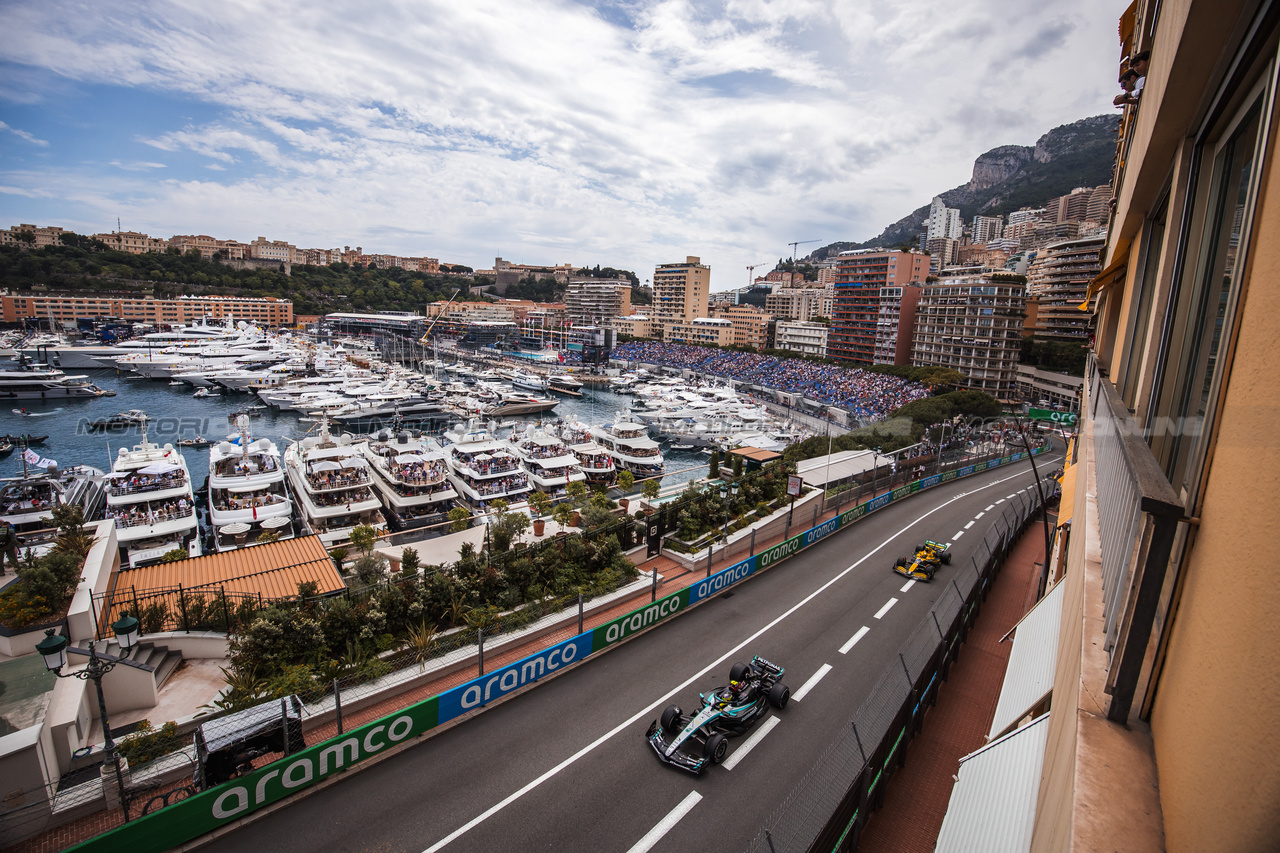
(981, 466)
(853, 514)
(779, 552)
(915, 487)
(901, 492)
(1055, 417)
(948, 476)
(637, 620)
(176, 824)
(1005, 460)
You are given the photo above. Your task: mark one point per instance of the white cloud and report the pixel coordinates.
(22, 134)
(544, 132)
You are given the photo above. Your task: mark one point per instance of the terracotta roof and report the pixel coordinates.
(273, 570)
(757, 454)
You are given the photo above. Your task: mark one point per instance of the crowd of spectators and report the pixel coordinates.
(867, 395)
(148, 513)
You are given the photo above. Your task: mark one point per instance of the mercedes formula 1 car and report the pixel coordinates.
(691, 741)
(927, 558)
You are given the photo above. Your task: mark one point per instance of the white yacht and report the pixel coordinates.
(528, 381)
(46, 384)
(595, 461)
(27, 501)
(332, 486)
(248, 496)
(630, 446)
(411, 479)
(482, 467)
(549, 463)
(150, 497)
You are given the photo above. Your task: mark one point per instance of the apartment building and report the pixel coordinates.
(895, 324)
(986, 228)
(855, 313)
(209, 247)
(593, 302)
(633, 326)
(750, 324)
(971, 321)
(802, 337)
(701, 330)
(67, 308)
(1163, 724)
(944, 222)
(680, 292)
(1048, 389)
(32, 236)
(133, 242)
(1059, 278)
(798, 303)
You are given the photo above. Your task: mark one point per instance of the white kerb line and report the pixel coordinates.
(906, 586)
(750, 743)
(970, 524)
(883, 610)
(853, 641)
(979, 515)
(997, 503)
(811, 683)
(959, 533)
(664, 826)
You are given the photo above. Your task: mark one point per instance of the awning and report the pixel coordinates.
(1114, 272)
(1028, 678)
(1067, 505)
(993, 803)
(1125, 29)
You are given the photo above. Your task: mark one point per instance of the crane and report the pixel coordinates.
(799, 243)
(751, 269)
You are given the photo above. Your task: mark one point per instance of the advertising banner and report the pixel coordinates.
(778, 552)
(948, 476)
(901, 492)
(638, 619)
(929, 482)
(724, 577)
(967, 470)
(981, 466)
(486, 688)
(853, 514)
(813, 534)
(876, 503)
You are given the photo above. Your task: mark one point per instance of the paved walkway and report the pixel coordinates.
(917, 796)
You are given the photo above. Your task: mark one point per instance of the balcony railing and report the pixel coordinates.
(1138, 515)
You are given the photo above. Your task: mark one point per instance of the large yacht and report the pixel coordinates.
(482, 467)
(45, 384)
(248, 497)
(595, 461)
(27, 501)
(332, 486)
(150, 497)
(630, 446)
(549, 463)
(411, 479)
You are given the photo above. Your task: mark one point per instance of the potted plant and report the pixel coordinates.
(650, 491)
(577, 491)
(626, 480)
(539, 503)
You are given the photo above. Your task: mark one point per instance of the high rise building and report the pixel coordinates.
(680, 291)
(895, 324)
(944, 222)
(972, 322)
(592, 302)
(1059, 278)
(855, 312)
(798, 336)
(750, 324)
(987, 228)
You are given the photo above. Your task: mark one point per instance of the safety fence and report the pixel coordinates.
(830, 806)
(181, 812)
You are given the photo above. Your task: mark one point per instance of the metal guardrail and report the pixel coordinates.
(1138, 515)
(830, 806)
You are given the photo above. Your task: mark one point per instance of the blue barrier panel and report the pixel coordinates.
(995, 463)
(930, 481)
(486, 688)
(877, 503)
(728, 577)
(965, 471)
(1015, 457)
(813, 534)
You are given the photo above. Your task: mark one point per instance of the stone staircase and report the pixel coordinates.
(158, 660)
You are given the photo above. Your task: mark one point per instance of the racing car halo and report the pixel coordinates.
(690, 742)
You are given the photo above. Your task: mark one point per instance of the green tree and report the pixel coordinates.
(577, 490)
(364, 537)
(459, 519)
(651, 488)
(713, 469)
(409, 562)
(626, 480)
(539, 503)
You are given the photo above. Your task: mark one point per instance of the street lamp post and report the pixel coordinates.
(724, 496)
(942, 445)
(53, 648)
(875, 473)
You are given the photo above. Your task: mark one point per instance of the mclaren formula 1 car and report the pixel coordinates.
(928, 557)
(691, 741)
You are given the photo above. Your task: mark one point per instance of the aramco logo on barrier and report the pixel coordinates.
(779, 552)
(511, 677)
(720, 580)
(816, 533)
(854, 514)
(638, 620)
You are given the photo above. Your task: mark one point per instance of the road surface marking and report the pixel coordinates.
(1011, 497)
(883, 610)
(1002, 500)
(988, 509)
(853, 641)
(750, 743)
(979, 515)
(691, 680)
(664, 826)
(959, 533)
(906, 586)
(811, 683)
(967, 526)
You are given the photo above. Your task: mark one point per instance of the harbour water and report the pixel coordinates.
(175, 415)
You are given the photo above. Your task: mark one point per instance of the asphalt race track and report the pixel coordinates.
(564, 765)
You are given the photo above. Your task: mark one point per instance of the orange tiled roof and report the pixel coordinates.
(757, 454)
(273, 570)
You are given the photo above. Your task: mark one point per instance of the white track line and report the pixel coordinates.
(750, 743)
(853, 641)
(664, 826)
(970, 524)
(906, 586)
(959, 533)
(883, 610)
(644, 712)
(811, 683)
(979, 515)
(988, 509)
(1002, 500)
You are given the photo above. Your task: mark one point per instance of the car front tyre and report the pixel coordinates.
(716, 747)
(671, 719)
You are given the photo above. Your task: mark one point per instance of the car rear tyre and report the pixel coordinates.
(739, 671)
(671, 719)
(716, 747)
(779, 695)
(946, 558)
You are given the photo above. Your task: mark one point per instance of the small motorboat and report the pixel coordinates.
(205, 392)
(26, 439)
(198, 441)
(682, 447)
(5, 448)
(176, 382)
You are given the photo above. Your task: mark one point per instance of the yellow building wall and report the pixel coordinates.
(1216, 715)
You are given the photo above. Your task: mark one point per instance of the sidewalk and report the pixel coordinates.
(917, 796)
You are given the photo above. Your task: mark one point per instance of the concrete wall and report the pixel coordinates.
(99, 567)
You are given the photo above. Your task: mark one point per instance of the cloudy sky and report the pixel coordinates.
(625, 133)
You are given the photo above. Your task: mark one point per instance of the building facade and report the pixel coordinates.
(986, 229)
(67, 308)
(594, 302)
(855, 314)
(895, 324)
(1059, 279)
(972, 322)
(701, 330)
(750, 324)
(680, 292)
(32, 236)
(133, 242)
(633, 326)
(798, 336)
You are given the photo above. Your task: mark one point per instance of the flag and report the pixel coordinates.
(31, 457)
